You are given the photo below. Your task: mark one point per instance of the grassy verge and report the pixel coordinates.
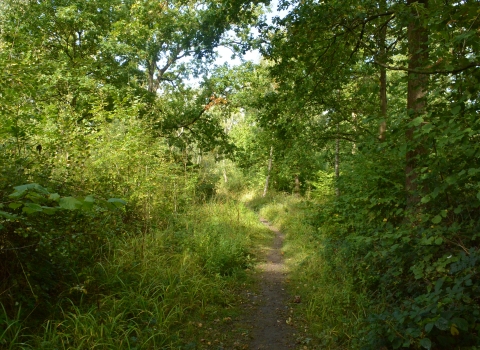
(332, 308)
(174, 289)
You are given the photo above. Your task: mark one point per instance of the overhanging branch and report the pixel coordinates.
(423, 71)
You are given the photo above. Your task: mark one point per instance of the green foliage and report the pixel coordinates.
(151, 286)
(101, 146)
(404, 223)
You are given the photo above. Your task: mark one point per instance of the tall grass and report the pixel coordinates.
(150, 289)
(331, 304)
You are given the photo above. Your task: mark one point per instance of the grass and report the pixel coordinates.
(165, 290)
(332, 309)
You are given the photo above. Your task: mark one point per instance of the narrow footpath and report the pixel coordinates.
(270, 320)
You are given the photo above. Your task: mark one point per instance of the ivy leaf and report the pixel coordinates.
(437, 219)
(426, 343)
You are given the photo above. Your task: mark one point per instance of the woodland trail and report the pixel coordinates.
(270, 330)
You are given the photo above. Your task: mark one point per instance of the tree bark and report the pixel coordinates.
(383, 79)
(337, 163)
(224, 170)
(296, 189)
(417, 35)
(268, 172)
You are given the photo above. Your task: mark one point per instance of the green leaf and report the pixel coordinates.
(417, 121)
(32, 186)
(6, 215)
(460, 323)
(87, 205)
(89, 199)
(429, 327)
(438, 240)
(426, 199)
(437, 219)
(456, 110)
(117, 202)
(439, 284)
(54, 197)
(30, 208)
(426, 343)
(69, 203)
(49, 210)
(441, 324)
(15, 205)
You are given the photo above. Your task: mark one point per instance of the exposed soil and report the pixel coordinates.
(269, 321)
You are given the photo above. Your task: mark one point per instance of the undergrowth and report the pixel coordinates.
(155, 291)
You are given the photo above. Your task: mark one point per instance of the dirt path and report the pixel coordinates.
(269, 320)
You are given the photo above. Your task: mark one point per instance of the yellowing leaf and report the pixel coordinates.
(454, 330)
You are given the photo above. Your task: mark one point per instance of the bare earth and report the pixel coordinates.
(269, 320)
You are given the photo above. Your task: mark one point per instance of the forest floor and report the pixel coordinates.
(270, 320)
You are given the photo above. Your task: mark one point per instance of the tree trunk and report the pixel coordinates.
(296, 189)
(417, 35)
(383, 79)
(337, 163)
(225, 178)
(268, 172)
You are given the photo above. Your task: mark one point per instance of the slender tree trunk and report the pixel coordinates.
(268, 172)
(417, 35)
(296, 189)
(151, 76)
(383, 80)
(337, 163)
(354, 119)
(225, 178)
